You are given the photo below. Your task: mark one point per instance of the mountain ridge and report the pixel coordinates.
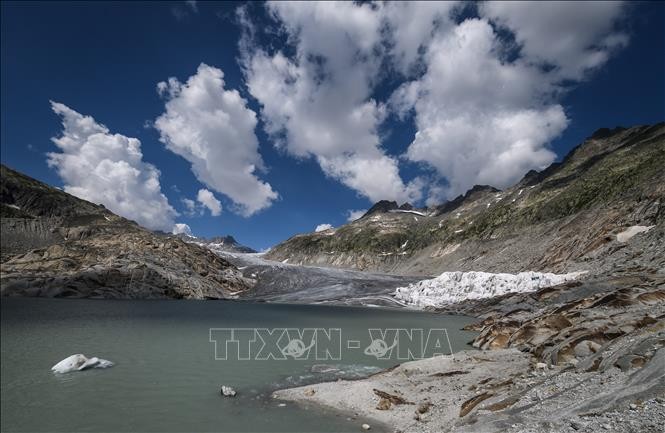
(612, 180)
(57, 245)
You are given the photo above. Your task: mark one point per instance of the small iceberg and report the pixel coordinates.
(80, 362)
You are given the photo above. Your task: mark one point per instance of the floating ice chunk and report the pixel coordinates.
(80, 362)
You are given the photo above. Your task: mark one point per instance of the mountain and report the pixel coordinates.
(220, 244)
(57, 245)
(578, 214)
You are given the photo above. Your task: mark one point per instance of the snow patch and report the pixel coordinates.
(407, 211)
(322, 227)
(627, 234)
(454, 287)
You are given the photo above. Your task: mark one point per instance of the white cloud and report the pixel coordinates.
(411, 26)
(485, 105)
(574, 38)
(352, 215)
(107, 168)
(213, 129)
(317, 103)
(483, 117)
(494, 125)
(181, 228)
(322, 227)
(207, 199)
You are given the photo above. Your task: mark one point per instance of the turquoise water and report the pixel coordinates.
(166, 377)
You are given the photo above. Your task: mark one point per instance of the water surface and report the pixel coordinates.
(166, 377)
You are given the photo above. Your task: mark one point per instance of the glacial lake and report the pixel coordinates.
(166, 377)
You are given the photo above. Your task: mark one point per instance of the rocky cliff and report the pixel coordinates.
(56, 245)
(601, 208)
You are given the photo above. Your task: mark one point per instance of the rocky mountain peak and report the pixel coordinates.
(481, 189)
(606, 132)
(385, 206)
(474, 193)
(226, 243)
(381, 206)
(228, 239)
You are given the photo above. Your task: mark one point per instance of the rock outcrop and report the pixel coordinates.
(585, 355)
(56, 245)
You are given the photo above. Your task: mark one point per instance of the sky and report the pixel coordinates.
(264, 120)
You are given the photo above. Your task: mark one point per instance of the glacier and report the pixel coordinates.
(454, 287)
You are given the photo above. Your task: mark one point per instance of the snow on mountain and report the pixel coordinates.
(407, 211)
(454, 287)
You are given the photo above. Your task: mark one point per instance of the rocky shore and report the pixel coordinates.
(582, 356)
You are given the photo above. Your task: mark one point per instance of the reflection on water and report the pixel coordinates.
(166, 377)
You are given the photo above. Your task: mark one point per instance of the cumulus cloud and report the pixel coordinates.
(317, 102)
(494, 124)
(322, 227)
(213, 129)
(571, 38)
(411, 27)
(107, 168)
(352, 215)
(485, 108)
(181, 228)
(483, 90)
(207, 199)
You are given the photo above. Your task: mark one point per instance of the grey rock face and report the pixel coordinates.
(57, 245)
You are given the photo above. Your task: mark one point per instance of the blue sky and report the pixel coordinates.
(337, 93)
